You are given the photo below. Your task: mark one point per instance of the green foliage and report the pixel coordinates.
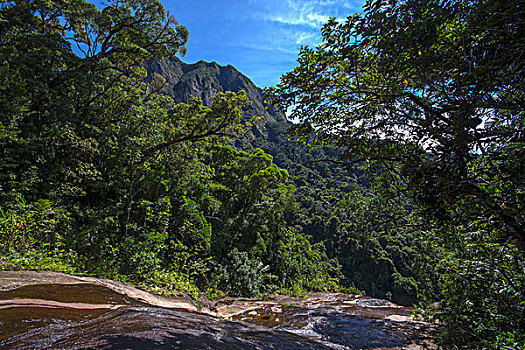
(358, 234)
(305, 266)
(31, 236)
(377, 243)
(238, 275)
(119, 179)
(481, 284)
(432, 93)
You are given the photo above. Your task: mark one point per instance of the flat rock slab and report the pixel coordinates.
(10, 280)
(42, 309)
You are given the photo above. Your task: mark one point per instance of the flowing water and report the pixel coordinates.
(88, 316)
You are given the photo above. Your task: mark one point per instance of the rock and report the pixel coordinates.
(41, 309)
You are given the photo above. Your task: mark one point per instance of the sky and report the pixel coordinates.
(261, 38)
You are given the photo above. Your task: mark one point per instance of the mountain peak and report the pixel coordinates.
(206, 79)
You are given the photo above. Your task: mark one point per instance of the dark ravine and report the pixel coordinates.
(41, 310)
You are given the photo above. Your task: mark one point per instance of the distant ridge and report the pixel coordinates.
(204, 80)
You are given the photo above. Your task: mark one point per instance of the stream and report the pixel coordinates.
(84, 314)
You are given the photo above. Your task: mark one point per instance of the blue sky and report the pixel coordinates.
(261, 38)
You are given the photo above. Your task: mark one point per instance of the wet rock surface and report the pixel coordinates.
(68, 313)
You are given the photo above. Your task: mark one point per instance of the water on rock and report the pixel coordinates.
(90, 316)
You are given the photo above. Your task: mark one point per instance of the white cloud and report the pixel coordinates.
(271, 47)
(313, 20)
(303, 38)
(354, 6)
(328, 2)
(300, 13)
(317, 18)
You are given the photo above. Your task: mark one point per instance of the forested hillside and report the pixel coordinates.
(340, 212)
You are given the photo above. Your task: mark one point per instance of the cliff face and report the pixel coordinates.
(204, 80)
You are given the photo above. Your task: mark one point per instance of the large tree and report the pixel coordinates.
(434, 88)
(71, 72)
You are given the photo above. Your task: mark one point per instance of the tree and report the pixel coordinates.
(69, 72)
(433, 93)
(435, 88)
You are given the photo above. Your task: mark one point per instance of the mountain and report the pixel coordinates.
(204, 80)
